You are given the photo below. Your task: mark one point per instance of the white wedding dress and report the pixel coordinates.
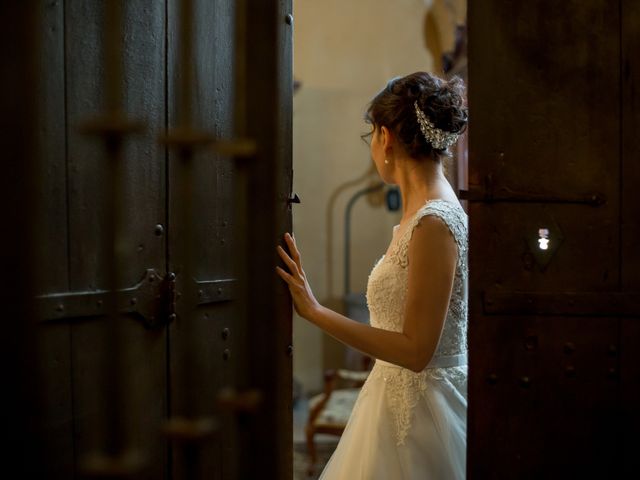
(406, 425)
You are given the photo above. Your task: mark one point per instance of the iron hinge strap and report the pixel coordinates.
(153, 299)
(490, 193)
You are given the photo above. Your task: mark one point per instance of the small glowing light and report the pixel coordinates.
(543, 240)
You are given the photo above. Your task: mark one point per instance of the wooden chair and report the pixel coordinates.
(329, 411)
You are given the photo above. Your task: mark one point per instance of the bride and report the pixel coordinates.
(409, 420)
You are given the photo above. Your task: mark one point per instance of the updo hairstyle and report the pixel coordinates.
(441, 101)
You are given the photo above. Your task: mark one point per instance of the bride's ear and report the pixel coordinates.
(387, 139)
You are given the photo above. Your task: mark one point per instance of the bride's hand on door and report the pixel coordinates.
(303, 300)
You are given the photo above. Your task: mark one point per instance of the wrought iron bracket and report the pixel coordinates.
(153, 299)
(488, 193)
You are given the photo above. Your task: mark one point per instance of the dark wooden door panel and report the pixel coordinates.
(51, 257)
(111, 382)
(234, 350)
(545, 395)
(554, 234)
(204, 327)
(582, 247)
(139, 362)
(74, 199)
(630, 232)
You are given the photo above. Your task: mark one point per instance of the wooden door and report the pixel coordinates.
(554, 234)
(73, 248)
(175, 201)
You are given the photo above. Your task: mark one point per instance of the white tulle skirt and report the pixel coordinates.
(434, 447)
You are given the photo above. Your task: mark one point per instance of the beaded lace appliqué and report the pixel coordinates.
(386, 296)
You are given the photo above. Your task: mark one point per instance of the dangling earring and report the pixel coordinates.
(386, 160)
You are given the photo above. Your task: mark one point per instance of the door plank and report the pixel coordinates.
(139, 247)
(630, 231)
(54, 341)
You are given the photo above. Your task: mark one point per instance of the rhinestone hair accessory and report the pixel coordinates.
(439, 139)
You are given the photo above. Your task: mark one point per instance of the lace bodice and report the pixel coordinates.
(386, 296)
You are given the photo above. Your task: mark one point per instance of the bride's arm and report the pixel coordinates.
(433, 256)
(394, 347)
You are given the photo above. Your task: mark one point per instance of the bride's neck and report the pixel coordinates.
(418, 182)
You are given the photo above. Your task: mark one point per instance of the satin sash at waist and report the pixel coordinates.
(441, 361)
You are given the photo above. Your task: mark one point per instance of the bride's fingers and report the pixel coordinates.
(284, 275)
(293, 248)
(290, 263)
